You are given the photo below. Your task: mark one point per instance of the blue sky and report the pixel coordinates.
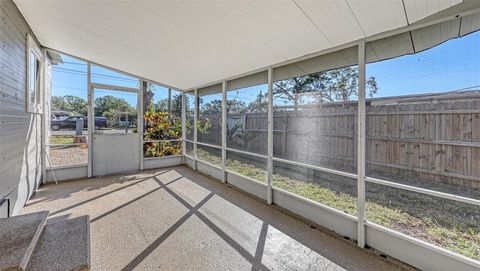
(70, 78)
(452, 65)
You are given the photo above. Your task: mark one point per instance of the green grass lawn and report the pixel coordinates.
(61, 139)
(448, 224)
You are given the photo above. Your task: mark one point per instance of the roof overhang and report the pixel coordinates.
(187, 44)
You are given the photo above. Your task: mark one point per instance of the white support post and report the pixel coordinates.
(224, 130)
(195, 117)
(43, 119)
(184, 125)
(90, 120)
(140, 119)
(361, 145)
(270, 136)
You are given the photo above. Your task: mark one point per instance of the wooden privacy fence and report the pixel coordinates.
(434, 138)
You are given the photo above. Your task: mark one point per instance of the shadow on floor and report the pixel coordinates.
(263, 236)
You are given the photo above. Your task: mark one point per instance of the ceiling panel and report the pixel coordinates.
(376, 16)
(187, 44)
(333, 18)
(419, 9)
(281, 25)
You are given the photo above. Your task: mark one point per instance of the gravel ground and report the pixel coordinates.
(68, 155)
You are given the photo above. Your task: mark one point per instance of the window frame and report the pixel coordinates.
(33, 49)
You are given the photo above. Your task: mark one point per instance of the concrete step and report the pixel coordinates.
(18, 237)
(65, 245)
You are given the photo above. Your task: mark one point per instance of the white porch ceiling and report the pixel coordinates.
(186, 44)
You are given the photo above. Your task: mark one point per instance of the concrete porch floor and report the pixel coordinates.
(176, 219)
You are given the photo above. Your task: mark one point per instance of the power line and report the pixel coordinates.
(67, 87)
(71, 71)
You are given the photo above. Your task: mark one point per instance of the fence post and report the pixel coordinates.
(270, 136)
(361, 141)
(224, 130)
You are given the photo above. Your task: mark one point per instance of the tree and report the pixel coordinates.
(58, 103)
(75, 105)
(337, 85)
(147, 98)
(213, 107)
(112, 107)
(177, 105)
(161, 105)
(259, 104)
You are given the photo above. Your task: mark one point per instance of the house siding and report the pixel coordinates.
(20, 132)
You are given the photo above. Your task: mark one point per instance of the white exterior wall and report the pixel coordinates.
(20, 132)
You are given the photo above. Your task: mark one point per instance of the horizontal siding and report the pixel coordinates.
(20, 140)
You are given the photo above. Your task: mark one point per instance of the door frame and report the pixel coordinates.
(91, 116)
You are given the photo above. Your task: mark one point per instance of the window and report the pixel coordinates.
(115, 111)
(247, 129)
(423, 130)
(247, 113)
(209, 124)
(163, 124)
(314, 106)
(33, 95)
(190, 115)
(314, 123)
(67, 143)
(106, 76)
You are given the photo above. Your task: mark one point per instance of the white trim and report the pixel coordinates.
(270, 136)
(33, 48)
(324, 169)
(209, 164)
(317, 204)
(163, 157)
(68, 166)
(161, 162)
(247, 153)
(246, 177)
(112, 87)
(162, 140)
(361, 144)
(64, 145)
(184, 123)
(195, 119)
(140, 121)
(252, 187)
(224, 130)
(424, 244)
(209, 145)
(43, 129)
(424, 191)
(90, 119)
